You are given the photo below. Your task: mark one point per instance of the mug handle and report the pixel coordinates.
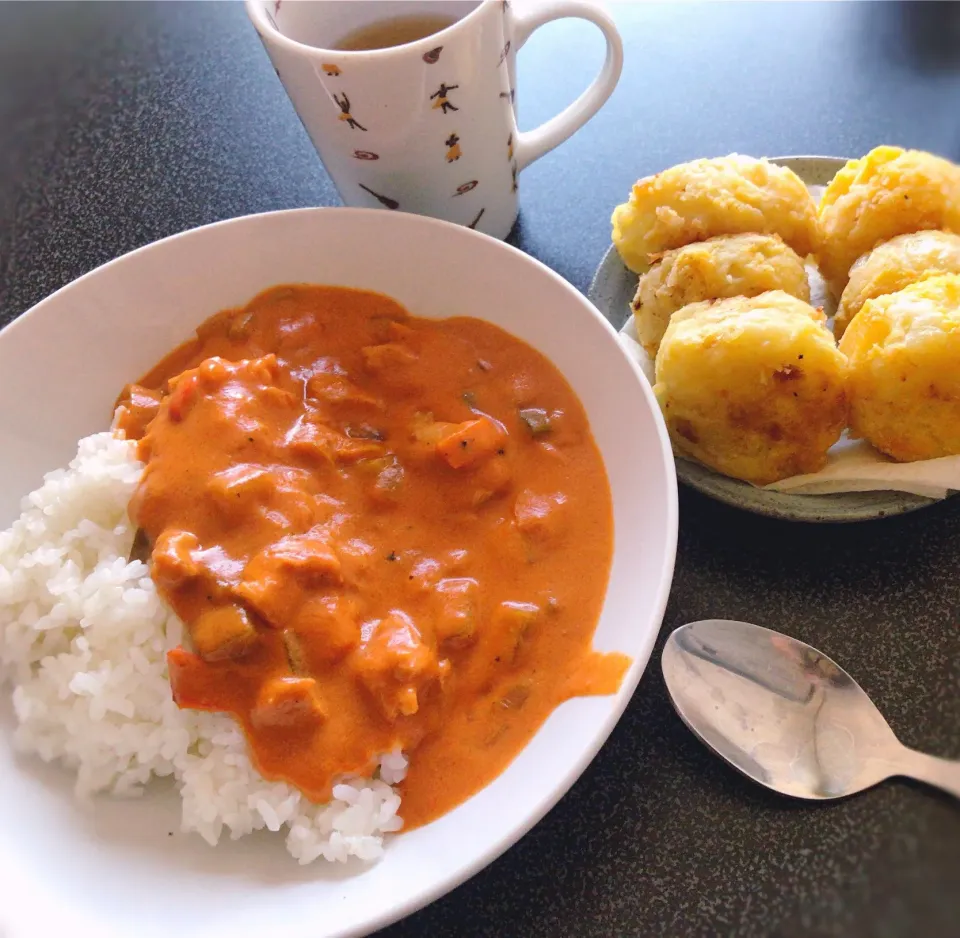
(532, 144)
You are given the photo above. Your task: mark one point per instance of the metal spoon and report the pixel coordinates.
(786, 715)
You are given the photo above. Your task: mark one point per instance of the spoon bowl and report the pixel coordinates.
(786, 715)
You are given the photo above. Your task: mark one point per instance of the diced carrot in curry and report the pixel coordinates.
(190, 680)
(468, 443)
(359, 531)
(182, 397)
(427, 431)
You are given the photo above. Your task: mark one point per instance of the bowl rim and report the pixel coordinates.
(443, 885)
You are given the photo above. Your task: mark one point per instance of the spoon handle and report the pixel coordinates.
(943, 773)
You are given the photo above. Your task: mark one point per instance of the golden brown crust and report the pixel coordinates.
(893, 265)
(718, 268)
(697, 200)
(752, 387)
(904, 376)
(886, 193)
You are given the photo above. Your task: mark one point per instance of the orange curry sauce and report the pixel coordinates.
(382, 532)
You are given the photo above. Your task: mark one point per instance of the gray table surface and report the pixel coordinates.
(124, 123)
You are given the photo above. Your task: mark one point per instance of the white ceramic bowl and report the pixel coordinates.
(115, 870)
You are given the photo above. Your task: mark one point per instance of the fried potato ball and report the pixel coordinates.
(725, 195)
(896, 264)
(718, 268)
(904, 370)
(752, 387)
(888, 192)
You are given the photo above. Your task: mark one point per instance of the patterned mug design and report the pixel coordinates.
(453, 148)
(343, 102)
(441, 102)
(384, 200)
(441, 98)
(396, 129)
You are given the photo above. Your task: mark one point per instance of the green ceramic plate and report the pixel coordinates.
(611, 292)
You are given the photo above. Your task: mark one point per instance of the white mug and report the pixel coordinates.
(430, 126)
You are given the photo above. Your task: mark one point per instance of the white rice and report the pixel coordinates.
(83, 637)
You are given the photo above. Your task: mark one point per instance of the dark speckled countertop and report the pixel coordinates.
(124, 123)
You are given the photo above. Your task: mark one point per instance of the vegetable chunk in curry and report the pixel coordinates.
(382, 532)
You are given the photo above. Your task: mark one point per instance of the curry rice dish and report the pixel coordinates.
(332, 569)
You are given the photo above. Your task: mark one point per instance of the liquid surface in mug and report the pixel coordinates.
(395, 31)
